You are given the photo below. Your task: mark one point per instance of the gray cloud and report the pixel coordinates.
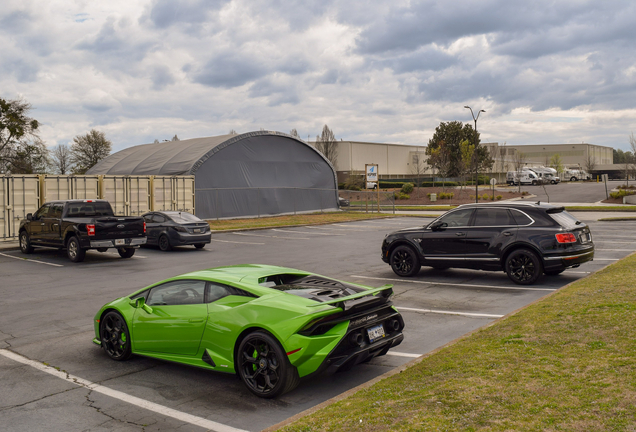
(229, 70)
(165, 13)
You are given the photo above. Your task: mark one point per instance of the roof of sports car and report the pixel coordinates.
(240, 271)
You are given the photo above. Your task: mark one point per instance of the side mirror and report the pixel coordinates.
(438, 225)
(141, 303)
(29, 216)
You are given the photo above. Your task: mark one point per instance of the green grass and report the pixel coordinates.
(291, 220)
(567, 362)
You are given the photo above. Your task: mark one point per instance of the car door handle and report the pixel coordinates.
(507, 233)
(196, 320)
(42, 224)
(460, 234)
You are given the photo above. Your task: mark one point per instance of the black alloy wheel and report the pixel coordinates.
(263, 366)
(404, 261)
(25, 243)
(523, 267)
(199, 245)
(126, 252)
(114, 336)
(554, 272)
(164, 243)
(74, 250)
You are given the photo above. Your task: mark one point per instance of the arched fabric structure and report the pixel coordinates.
(252, 174)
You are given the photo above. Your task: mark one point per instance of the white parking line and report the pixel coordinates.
(306, 232)
(31, 260)
(401, 354)
(151, 406)
(455, 284)
(615, 250)
(606, 259)
(284, 238)
(470, 314)
(334, 229)
(229, 241)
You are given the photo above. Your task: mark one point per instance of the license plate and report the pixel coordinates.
(375, 333)
(119, 242)
(197, 230)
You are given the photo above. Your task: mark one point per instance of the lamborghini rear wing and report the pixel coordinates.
(381, 295)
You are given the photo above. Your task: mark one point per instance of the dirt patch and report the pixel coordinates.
(420, 196)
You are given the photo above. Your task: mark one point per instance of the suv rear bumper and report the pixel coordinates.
(564, 261)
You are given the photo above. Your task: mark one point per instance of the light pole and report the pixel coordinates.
(475, 151)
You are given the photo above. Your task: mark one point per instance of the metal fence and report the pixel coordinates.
(368, 201)
(128, 195)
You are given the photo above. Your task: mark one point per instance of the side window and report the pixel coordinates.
(173, 293)
(458, 218)
(158, 218)
(148, 218)
(521, 218)
(218, 291)
(486, 217)
(42, 212)
(56, 211)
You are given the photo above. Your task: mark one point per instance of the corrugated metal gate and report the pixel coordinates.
(128, 195)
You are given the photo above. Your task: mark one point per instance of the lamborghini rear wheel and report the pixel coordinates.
(263, 366)
(115, 336)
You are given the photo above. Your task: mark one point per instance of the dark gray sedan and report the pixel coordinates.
(174, 228)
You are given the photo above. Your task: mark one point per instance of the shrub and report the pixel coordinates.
(621, 193)
(401, 196)
(445, 195)
(524, 193)
(499, 197)
(407, 188)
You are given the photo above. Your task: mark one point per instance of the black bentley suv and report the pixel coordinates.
(522, 239)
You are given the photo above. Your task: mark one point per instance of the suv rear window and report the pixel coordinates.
(565, 219)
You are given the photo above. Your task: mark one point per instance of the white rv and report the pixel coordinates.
(525, 177)
(548, 175)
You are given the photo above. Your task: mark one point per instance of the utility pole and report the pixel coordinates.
(475, 151)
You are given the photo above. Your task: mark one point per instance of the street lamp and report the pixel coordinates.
(475, 151)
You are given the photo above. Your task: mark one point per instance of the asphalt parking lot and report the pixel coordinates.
(47, 304)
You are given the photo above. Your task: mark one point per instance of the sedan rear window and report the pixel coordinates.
(182, 217)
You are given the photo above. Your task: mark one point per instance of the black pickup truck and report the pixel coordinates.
(79, 225)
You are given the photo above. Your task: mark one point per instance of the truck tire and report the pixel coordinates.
(126, 252)
(25, 243)
(573, 178)
(74, 251)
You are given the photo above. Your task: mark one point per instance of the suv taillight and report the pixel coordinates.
(566, 238)
(144, 227)
(90, 229)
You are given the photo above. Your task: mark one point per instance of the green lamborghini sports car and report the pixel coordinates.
(270, 325)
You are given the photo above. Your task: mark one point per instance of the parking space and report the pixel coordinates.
(47, 304)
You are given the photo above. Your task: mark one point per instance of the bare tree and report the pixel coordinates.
(589, 163)
(175, 138)
(327, 145)
(232, 132)
(294, 133)
(18, 133)
(89, 149)
(61, 158)
(519, 161)
(418, 167)
(630, 158)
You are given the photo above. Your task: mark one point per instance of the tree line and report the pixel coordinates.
(22, 151)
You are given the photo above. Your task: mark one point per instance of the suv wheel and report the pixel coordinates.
(25, 243)
(404, 261)
(523, 267)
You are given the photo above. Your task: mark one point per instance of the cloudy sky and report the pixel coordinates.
(382, 71)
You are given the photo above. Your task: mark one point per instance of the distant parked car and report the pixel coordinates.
(343, 202)
(80, 225)
(176, 228)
